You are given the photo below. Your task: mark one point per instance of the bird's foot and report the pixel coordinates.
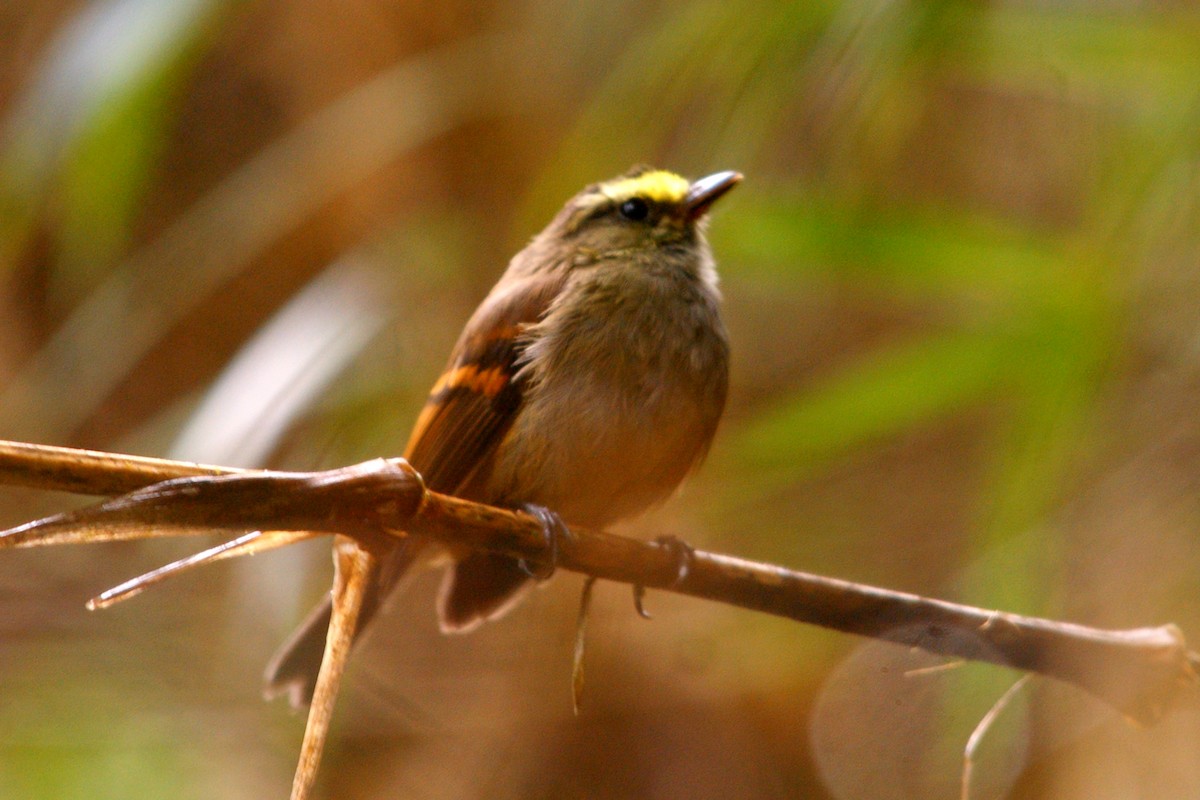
(555, 531)
(684, 554)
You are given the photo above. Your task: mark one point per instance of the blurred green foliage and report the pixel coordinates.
(961, 282)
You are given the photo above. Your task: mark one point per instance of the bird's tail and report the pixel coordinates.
(480, 587)
(294, 667)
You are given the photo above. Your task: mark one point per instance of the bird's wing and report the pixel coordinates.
(472, 405)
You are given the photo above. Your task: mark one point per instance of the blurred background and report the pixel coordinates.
(961, 281)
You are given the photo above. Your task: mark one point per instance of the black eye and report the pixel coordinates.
(635, 208)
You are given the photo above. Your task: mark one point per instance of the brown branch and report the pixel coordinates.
(1141, 671)
(67, 469)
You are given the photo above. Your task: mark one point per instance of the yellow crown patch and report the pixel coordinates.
(657, 185)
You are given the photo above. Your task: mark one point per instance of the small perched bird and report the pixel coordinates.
(588, 382)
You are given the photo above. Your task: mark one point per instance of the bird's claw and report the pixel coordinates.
(554, 530)
(684, 554)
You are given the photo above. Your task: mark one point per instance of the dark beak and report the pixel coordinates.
(704, 192)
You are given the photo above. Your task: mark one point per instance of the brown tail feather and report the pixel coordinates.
(294, 667)
(480, 587)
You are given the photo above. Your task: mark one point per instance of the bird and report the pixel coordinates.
(585, 387)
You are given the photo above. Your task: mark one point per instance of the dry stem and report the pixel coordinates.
(1139, 671)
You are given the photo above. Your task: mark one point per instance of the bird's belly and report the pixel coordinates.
(596, 454)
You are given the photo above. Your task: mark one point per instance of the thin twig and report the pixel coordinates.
(353, 566)
(577, 676)
(245, 545)
(981, 730)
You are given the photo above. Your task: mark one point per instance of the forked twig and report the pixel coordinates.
(1142, 672)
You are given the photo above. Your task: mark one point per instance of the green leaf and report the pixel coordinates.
(882, 394)
(88, 129)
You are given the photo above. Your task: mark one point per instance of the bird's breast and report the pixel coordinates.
(619, 405)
